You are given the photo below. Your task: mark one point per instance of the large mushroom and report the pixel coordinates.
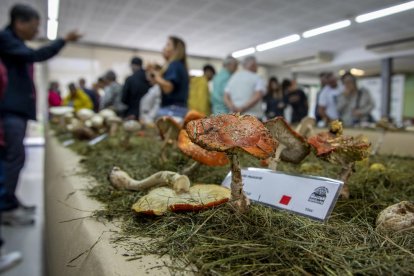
(305, 127)
(232, 133)
(342, 150)
(396, 218)
(292, 146)
(161, 200)
(59, 113)
(121, 180)
(85, 114)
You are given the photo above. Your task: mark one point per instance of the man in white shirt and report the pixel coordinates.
(327, 102)
(245, 90)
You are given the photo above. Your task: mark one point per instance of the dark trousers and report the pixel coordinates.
(12, 158)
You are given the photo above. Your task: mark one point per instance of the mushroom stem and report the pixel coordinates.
(188, 170)
(346, 172)
(379, 143)
(126, 139)
(274, 161)
(113, 129)
(121, 180)
(239, 198)
(164, 145)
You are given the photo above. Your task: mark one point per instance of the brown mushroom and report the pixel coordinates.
(292, 146)
(305, 127)
(161, 200)
(340, 150)
(396, 218)
(198, 154)
(169, 130)
(121, 180)
(232, 133)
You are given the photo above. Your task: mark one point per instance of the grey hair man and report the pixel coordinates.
(220, 81)
(245, 90)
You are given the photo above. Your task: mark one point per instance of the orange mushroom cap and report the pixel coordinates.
(227, 132)
(166, 123)
(209, 158)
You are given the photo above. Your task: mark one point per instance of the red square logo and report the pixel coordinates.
(285, 200)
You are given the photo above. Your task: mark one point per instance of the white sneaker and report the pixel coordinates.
(10, 260)
(17, 217)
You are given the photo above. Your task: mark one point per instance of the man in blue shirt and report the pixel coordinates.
(219, 84)
(18, 104)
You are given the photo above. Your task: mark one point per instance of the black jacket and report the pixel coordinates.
(20, 97)
(134, 89)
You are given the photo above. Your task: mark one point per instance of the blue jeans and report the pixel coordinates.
(172, 111)
(12, 159)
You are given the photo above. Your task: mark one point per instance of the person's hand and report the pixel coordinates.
(72, 36)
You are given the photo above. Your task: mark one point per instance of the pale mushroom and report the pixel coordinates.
(114, 123)
(130, 127)
(121, 180)
(97, 122)
(292, 146)
(340, 150)
(232, 133)
(169, 130)
(107, 113)
(161, 200)
(59, 113)
(397, 218)
(85, 114)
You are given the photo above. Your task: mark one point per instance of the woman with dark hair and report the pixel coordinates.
(274, 99)
(173, 79)
(296, 98)
(54, 97)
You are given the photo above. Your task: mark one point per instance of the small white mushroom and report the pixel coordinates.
(97, 121)
(397, 218)
(107, 113)
(305, 127)
(121, 180)
(130, 127)
(114, 123)
(84, 114)
(59, 112)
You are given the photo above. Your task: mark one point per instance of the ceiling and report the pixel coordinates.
(215, 28)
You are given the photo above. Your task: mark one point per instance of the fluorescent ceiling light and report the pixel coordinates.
(244, 52)
(278, 42)
(357, 72)
(327, 28)
(53, 9)
(384, 12)
(196, 72)
(52, 26)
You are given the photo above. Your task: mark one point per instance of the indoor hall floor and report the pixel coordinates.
(29, 239)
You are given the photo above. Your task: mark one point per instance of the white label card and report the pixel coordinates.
(67, 143)
(97, 140)
(311, 196)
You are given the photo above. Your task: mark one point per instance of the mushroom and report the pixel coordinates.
(305, 127)
(82, 132)
(192, 115)
(69, 117)
(121, 180)
(130, 127)
(340, 150)
(59, 113)
(292, 146)
(198, 154)
(232, 133)
(396, 218)
(113, 123)
(107, 113)
(169, 130)
(161, 200)
(85, 114)
(97, 122)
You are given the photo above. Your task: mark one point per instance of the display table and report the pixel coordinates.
(65, 200)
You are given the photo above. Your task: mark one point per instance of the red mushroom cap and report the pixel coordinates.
(191, 116)
(227, 132)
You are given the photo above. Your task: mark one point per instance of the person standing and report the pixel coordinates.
(113, 94)
(323, 81)
(354, 104)
(297, 99)
(199, 94)
(92, 94)
(135, 87)
(77, 98)
(19, 101)
(54, 98)
(151, 101)
(173, 79)
(220, 81)
(245, 90)
(274, 99)
(328, 98)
